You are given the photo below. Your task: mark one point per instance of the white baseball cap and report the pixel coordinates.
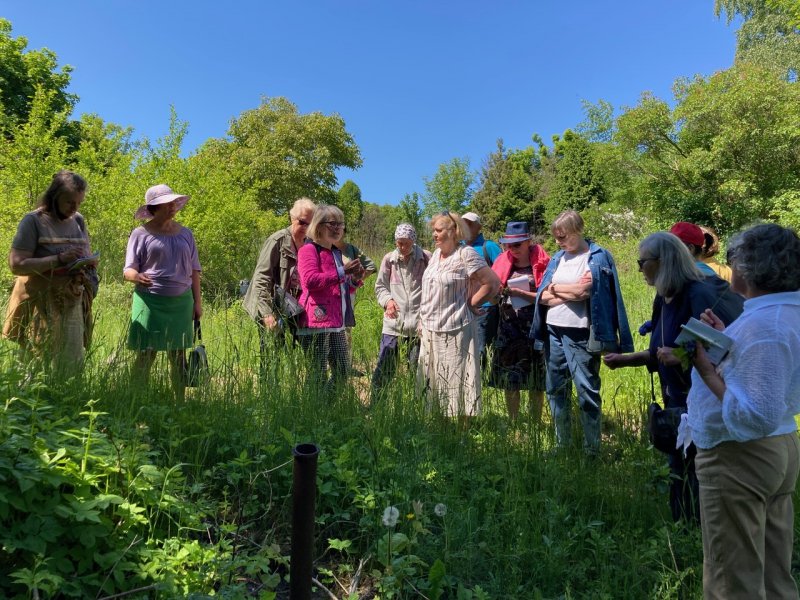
(471, 216)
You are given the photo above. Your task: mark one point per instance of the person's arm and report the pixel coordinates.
(21, 262)
(616, 360)
(131, 272)
(198, 300)
(489, 287)
(367, 264)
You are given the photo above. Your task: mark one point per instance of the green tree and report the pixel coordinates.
(280, 154)
(450, 188)
(22, 73)
(510, 183)
(726, 154)
(769, 35)
(348, 198)
(577, 182)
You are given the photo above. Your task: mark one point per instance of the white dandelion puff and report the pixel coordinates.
(440, 510)
(390, 516)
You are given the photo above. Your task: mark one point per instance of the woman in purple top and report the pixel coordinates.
(162, 261)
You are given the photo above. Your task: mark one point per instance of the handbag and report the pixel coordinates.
(662, 426)
(286, 304)
(197, 363)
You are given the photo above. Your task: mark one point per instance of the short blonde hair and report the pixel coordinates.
(300, 206)
(453, 222)
(568, 222)
(323, 214)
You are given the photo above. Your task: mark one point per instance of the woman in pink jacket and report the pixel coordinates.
(326, 283)
(515, 364)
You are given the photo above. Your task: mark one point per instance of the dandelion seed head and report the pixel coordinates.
(440, 510)
(390, 516)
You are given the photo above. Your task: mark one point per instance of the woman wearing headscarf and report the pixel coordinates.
(682, 292)
(399, 292)
(277, 266)
(579, 315)
(742, 420)
(515, 364)
(49, 311)
(327, 284)
(449, 363)
(162, 262)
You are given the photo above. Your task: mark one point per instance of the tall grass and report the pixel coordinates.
(520, 522)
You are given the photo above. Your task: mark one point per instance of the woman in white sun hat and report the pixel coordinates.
(161, 260)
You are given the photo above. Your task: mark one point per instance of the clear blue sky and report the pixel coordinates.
(418, 82)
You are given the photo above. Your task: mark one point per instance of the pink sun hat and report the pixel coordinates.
(159, 194)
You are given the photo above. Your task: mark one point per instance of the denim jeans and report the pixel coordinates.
(569, 362)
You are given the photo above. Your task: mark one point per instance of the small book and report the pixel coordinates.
(81, 262)
(716, 343)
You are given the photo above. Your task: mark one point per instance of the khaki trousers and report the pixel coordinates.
(747, 518)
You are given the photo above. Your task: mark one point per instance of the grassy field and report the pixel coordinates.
(193, 498)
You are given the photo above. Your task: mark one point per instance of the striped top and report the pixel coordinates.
(445, 289)
(45, 235)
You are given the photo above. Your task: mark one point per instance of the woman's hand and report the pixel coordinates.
(478, 311)
(709, 318)
(666, 357)
(198, 311)
(70, 255)
(614, 360)
(270, 322)
(391, 309)
(143, 279)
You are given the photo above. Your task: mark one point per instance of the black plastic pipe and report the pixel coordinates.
(304, 493)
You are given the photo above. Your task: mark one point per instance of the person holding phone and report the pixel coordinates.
(49, 312)
(327, 284)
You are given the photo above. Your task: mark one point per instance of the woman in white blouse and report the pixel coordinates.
(742, 420)
(449, 366)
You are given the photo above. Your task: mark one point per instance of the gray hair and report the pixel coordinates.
(676, 266)
(324, 212)
(767, 258)
(300, 206)
(569, 221)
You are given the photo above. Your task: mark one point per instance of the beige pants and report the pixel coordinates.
(449, 370)
(747, 518)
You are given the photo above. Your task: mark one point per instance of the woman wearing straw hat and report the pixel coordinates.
(161, 260)
(515, 364)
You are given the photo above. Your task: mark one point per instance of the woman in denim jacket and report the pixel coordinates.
(579, 315)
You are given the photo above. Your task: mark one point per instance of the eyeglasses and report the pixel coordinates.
(334, 224)
(643, 261)
(303, 222)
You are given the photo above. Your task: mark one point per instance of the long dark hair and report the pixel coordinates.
(64, 182)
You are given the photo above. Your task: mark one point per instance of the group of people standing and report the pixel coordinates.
(552, 321)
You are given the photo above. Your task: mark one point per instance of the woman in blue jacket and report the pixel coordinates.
(579, 315)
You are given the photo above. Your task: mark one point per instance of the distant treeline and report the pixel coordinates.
(726, 152)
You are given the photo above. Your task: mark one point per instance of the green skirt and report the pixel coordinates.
(161, 322)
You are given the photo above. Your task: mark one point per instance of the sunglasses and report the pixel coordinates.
(515, 244)
(643, 261)
(334, 224)
(303, 222)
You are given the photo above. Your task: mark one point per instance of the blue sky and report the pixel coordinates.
(417, 82)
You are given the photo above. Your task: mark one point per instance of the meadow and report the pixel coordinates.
(110, 490)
